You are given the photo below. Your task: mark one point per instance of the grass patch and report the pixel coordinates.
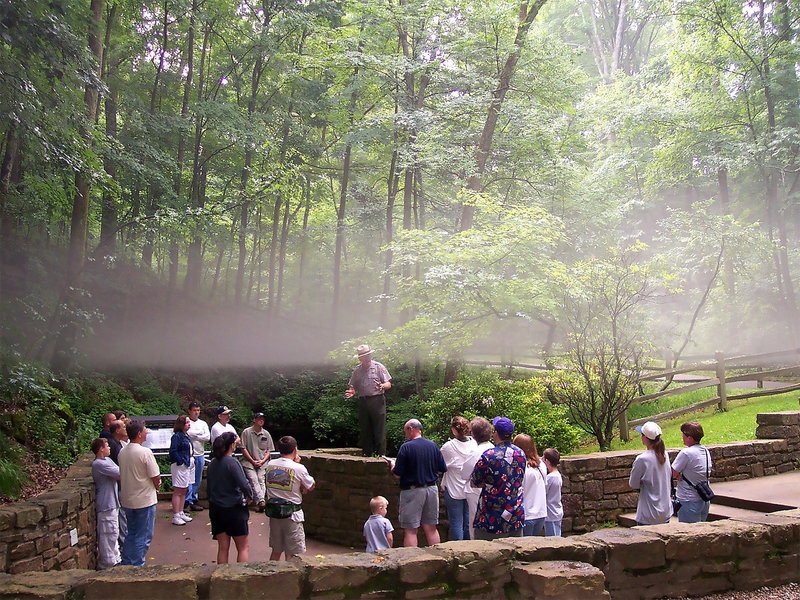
(737, 424)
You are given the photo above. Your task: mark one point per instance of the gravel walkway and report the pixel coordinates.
(790, 591)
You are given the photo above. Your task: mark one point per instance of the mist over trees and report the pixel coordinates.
(207, 182)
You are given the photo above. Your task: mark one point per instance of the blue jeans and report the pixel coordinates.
(534, 527)
(140, 534)
(458, 514)
(693, 512)
(552, 528)
(191, 495)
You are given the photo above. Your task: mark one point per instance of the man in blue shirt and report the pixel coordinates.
(418, 466)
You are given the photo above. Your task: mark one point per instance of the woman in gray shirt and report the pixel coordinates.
(227, 488)
(651, 475)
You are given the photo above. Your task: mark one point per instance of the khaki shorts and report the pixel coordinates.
(419, 506)
(287, 536)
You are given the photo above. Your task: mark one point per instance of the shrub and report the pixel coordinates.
(487, 395)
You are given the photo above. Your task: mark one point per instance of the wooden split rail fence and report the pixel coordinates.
(718, 364)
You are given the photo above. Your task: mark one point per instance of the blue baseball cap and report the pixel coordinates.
(503, 426)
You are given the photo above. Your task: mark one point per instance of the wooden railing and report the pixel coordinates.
(718, 364)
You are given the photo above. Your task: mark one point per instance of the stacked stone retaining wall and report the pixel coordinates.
(53, 531)
(621, 564)
(595, 488)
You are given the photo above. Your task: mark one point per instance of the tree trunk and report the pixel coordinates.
(6, 227)
(391, 185)
(194, 257)
(527, 13)
(70, 297)
(108, 214)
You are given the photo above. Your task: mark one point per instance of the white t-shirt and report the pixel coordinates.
(199, 434)
(691, 462)
(285, 479)
(535, 496)
(653, 482)
(218, 429)
(137, 467)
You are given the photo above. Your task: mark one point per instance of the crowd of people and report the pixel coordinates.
(127, 480)
(494, 484)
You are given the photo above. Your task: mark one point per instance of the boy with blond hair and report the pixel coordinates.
(378, 529)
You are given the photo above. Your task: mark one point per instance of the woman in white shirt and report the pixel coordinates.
(482, 434)
(455, 453)
(651, 475)
(533, 486)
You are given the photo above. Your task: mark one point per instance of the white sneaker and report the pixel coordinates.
(185, 517)
(177, 520)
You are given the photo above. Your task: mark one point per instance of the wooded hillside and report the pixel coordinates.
(203, 182)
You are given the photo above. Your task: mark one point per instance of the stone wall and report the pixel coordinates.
(595, 488)
(52, 531)
(621, 564)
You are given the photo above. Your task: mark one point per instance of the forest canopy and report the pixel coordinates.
(193, 183)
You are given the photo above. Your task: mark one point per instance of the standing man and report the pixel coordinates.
(115, 442)
(140, 483)
(418, 466)
(256, 446)
(199, 434)
(118, 440)
(369, 381)
(223, 424)
(287, 481)
(500, 472)
(108, 418)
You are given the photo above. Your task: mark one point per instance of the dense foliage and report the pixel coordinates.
(202, 184)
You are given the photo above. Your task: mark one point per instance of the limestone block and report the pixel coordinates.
(25, 566)
(339, 571)
(770, 571)
(630, 500)
(584, 464)
(560, 579)
(789, 417)
(621, 459)
(163, 582)
(55, 585)
(28, 514)
(8, 519)
(23, 550)
(575, 549)
(53, 504)
(696, 541)
(616, 486)
(256, 581)
(417, 565)
(477, 562)
(630, 549)
(45, 543)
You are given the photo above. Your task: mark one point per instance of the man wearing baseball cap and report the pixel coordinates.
(500, 472)
(256, 446)
(369, 381)
(223, 424)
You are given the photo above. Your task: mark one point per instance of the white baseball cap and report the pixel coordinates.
(650, 430)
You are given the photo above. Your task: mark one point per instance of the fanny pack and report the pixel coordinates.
(276, 508)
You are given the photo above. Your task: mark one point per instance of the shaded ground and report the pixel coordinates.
(42, 476)
(192, 543)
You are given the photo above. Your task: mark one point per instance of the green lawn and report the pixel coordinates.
(737, 424)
